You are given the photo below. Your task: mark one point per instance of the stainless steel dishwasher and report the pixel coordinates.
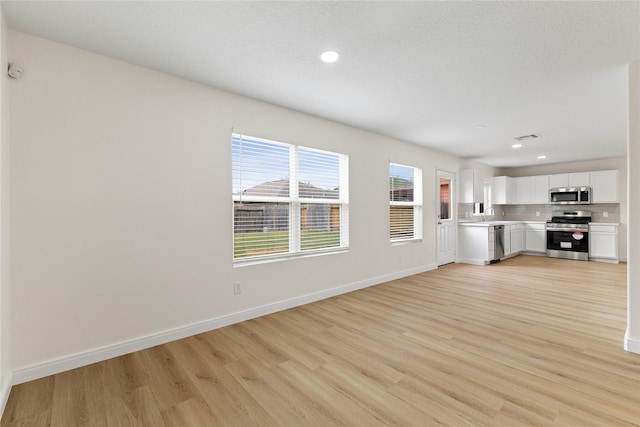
(498, 240)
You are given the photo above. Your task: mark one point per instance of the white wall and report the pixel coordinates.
(5, 288)
(632, 336)
(121, 206)
(593, 165)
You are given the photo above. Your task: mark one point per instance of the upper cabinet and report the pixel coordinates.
(532, 190)
(523, 190)
(578, 179)
(471, 186)
(605, 186)
(559, 180)
(540, 189)
(502, 190)
(526, 190)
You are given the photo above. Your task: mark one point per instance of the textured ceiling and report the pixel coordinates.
(423, 72)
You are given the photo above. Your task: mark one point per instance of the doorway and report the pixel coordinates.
(446, 222)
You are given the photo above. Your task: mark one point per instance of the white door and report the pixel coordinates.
(446, 231)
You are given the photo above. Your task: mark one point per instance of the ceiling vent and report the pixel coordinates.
(523, 137)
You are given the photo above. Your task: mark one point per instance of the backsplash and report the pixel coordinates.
(545, 212)
(465, 213)
(537, 212)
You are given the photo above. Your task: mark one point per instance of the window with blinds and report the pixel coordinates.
(287, 199)
(405, 202)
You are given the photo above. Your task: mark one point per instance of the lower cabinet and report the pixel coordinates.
(507, 240)
(476, 244)
(517, 238)
(603, 242)
(536, 237)
(513, 239)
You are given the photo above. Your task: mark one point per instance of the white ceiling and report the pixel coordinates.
(423, 72)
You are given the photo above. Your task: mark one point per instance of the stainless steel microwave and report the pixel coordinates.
(570, 196)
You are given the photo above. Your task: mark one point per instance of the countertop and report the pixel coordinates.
(491, 223)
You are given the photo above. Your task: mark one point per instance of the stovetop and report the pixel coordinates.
(570, 217)
(563, 220)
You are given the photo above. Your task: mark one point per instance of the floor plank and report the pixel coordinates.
(527, 341)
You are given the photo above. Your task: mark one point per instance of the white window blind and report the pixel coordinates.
(287, 199)
(405, 202)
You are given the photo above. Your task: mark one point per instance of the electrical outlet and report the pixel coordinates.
(605, 214)
(237, 288)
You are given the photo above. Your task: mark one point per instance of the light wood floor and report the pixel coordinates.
(529, 341)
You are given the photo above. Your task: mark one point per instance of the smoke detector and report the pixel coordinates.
(523, 137)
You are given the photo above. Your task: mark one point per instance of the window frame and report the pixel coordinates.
(416, 203)
(295, 203)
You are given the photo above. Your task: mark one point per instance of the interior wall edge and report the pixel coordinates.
(630, 344)
(4, 392)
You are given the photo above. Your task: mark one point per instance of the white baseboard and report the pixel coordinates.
(4, 392)
(630, 344)
(88, 357)
(474, 261)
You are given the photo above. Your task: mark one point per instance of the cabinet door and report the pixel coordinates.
(478, 187)
(580, 179)
(471, 186)
(466, 186)
(502, 190)
(559, 180)
(516, 241)
(523, 190)
(540, 189)
(507, 240)
(603, 245)
(536, 240)
(605, 186)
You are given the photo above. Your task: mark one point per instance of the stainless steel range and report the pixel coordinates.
(568, 235)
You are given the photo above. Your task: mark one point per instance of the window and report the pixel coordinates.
(405, 202)
(287, 199)
(445, 199)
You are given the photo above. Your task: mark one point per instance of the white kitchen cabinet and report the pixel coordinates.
(579, 179)
(536, 237)
(513, 239)
(531, 190)
(603, 242)
(605, 186)
(502, 190)
(476, 244)
(517, 238)
(471, 186)
(540, 189)
(507, 240)
(523, 190)
(559, 180)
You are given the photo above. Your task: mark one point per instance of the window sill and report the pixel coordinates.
(405, 242)
(284, 257)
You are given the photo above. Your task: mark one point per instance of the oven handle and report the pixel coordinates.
(568, 229)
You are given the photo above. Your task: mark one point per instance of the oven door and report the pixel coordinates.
(567, 243)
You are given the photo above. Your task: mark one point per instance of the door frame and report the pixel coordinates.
(454, 210)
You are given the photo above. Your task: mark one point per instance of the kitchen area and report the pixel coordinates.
(573, 215)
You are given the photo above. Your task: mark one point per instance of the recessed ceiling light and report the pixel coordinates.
(516, 146)
(330, 56)
(542, 157)
(479, 127)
